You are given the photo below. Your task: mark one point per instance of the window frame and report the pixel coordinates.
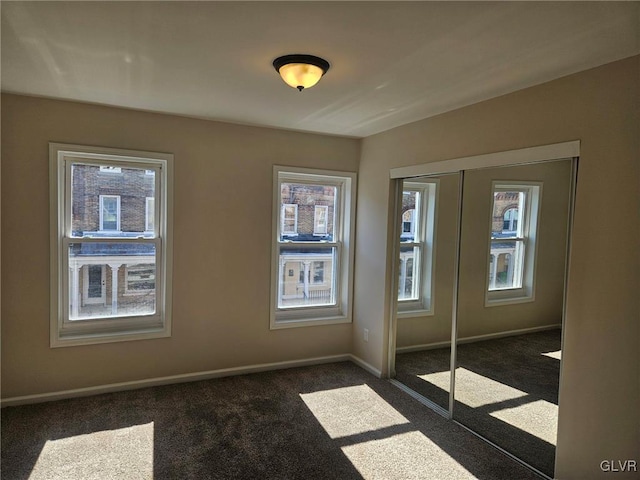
(64, 331)
(424, 239)
(526, 233)
(343, 242)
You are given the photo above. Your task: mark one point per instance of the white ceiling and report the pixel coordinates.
(391, 62)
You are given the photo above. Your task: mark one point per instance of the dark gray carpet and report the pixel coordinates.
(491, 370)
(332, 421)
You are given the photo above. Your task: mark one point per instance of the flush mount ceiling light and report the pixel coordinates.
(301, 71)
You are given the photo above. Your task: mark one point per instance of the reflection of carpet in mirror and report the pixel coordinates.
(506, 390)
(436, 362)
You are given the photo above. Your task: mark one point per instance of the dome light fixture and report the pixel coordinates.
(301, 71)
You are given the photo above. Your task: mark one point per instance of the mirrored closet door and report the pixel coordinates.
(510, 306)
(428, 221)
(482, 262)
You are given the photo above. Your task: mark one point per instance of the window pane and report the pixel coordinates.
(111, 202)
(506, 264)
(409, 275)
(303, 198)
(109, 279)
(307, 277)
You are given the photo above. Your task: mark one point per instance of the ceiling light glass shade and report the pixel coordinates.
(301, 71)
(300, 75)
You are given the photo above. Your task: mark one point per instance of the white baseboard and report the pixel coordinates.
(366, 366)
(187, 377)
(477, 338)
(425, 346)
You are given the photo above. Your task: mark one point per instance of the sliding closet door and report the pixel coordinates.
(510, 306)
(426, 258)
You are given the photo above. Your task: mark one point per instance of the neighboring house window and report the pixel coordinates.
(318, 272)
(510, 220)
(150, 214)
(108, 169)
(408, 220)
(415, 286)
(514, 226)
(109, 212)
(140, 278)
(320, 216)
(321, 251)
(289, 219)
(103, 252)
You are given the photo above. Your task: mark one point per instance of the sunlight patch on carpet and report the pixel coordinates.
(351, 410)
(474, 390)
(125, 453)
(539, 418)
(408, 456)
(557, 355)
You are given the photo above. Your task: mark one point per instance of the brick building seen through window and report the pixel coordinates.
(112, 202)
(307, 215)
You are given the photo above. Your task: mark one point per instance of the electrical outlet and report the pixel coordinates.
(366, 334)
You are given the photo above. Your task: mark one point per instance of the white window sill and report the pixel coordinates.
(72, 340)
(308, 322)
(495, 301)
(415, 313)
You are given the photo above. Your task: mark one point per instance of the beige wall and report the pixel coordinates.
(599, 393)
(222, 245)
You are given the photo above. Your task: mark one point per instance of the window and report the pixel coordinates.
(109, 212)
(140, 278)
(318, 272)
(514, 222)
(510, 221)
(320, 220)
(408, 221)
(318, 206)
(415, 288)
(110, 245)
(289, 219)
